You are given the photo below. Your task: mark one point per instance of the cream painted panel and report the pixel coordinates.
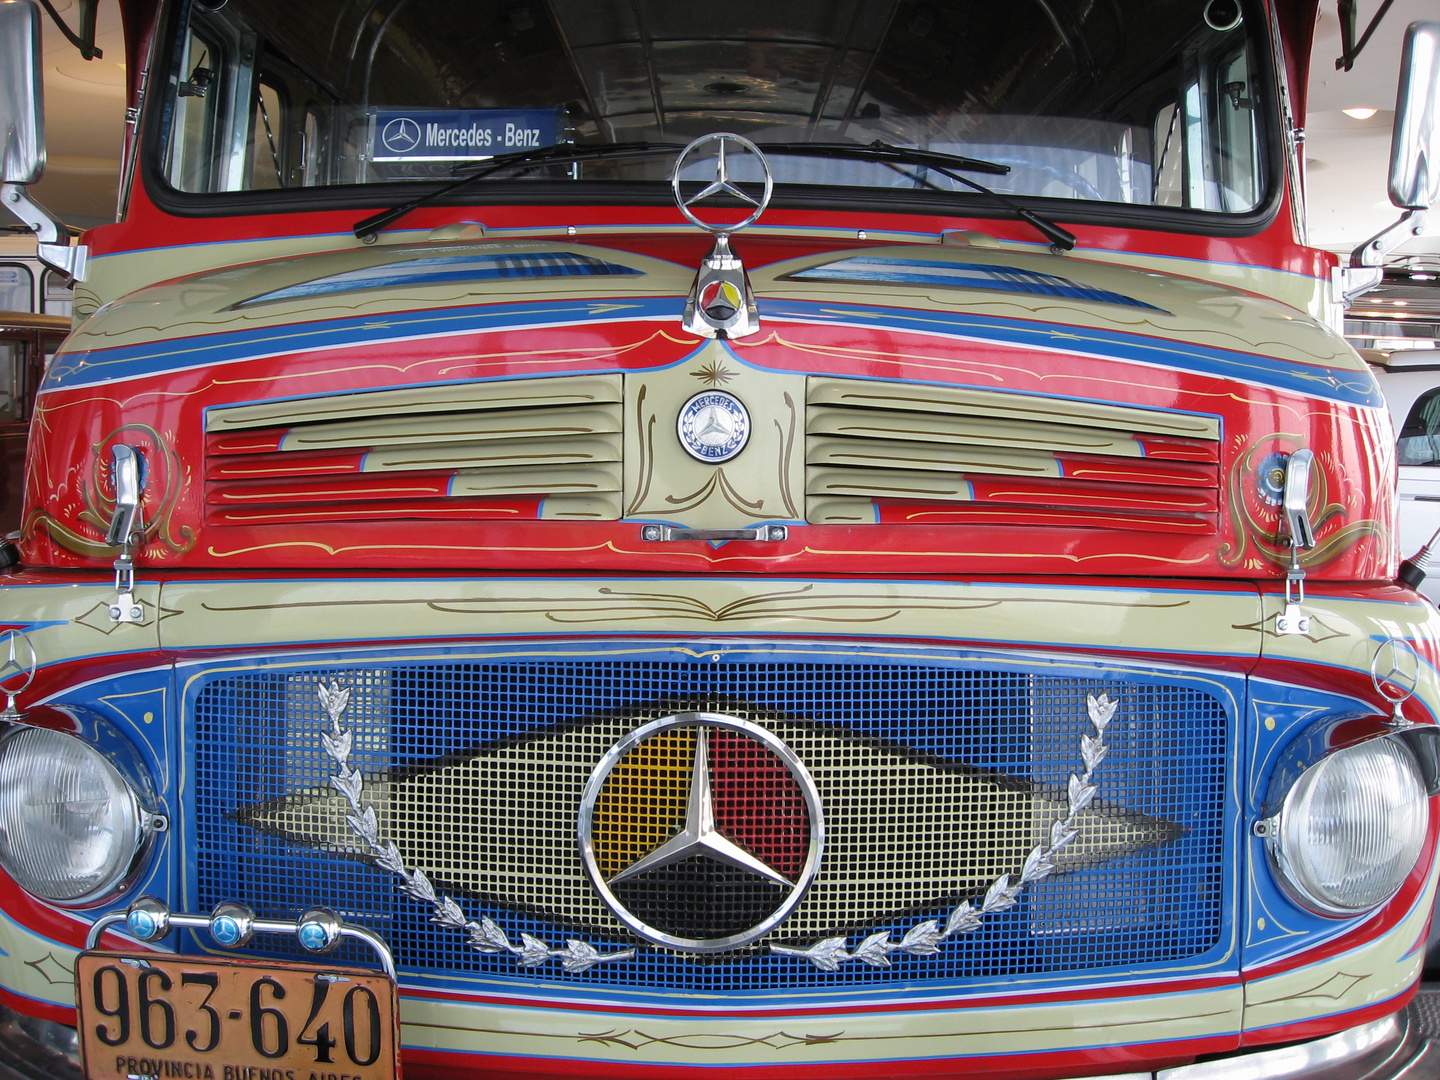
(764, 482)
(498, 453)
(179, 307)
(1347, 633)
(456, 397)
(867, 394)
(884, 454)
(885, 424)
(966, 1029)
(251, 614)
(1184, 309)
(36, 966)
(448, 427)
(68, 621)
(1368, 975)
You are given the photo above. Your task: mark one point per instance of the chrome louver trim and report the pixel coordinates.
(547, 448)
(947, 455)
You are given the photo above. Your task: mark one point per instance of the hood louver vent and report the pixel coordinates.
(539, 448)
(906, 453)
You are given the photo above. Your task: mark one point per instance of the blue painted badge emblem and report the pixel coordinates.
(713, 426)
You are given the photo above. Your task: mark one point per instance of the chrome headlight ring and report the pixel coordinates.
(77, 824)
(1344, 828)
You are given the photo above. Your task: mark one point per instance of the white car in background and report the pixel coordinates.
(1410, 380)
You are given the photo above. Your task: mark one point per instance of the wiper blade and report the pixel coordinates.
(945, 164)
(884, 152)
(521, 159)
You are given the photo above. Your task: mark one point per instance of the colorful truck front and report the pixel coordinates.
(648, 540)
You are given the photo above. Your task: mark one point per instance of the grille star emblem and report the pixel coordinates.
(700, 836)
(699, 889)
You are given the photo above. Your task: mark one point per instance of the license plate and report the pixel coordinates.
(144, 1016)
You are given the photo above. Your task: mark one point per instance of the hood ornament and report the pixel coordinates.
(1395, 672)
(721, 303)
(18, 665)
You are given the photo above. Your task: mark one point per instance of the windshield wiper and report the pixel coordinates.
(565, 153)
(877, 151)
(945, 164)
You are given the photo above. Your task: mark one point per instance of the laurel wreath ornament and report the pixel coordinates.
(483, 935)
(924, 939)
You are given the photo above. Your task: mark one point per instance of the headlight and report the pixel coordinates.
(1351, 828)
(70, 826)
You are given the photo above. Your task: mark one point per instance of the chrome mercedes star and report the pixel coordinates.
(700, 836)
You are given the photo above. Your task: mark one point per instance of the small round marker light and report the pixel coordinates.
(147, 919)
(318, 930)
(232, 925)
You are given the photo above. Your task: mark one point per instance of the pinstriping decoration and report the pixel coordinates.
(439, 270)
(962, 276)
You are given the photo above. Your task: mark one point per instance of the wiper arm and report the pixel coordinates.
(945, 164)
(521, 159)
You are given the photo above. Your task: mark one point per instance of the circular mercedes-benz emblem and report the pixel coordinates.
(713, 426)
(701, 831)
(722, 184)
(400, 135)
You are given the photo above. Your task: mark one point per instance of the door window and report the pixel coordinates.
(1419, 442)
(16, 288)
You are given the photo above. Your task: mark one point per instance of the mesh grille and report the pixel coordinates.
(935, 779)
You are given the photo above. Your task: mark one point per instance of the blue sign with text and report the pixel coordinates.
(458, 134)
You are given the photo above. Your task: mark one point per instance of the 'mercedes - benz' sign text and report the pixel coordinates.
(458, 134)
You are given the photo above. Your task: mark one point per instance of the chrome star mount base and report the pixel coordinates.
(484, 936)
(721, 303)
(924, 938)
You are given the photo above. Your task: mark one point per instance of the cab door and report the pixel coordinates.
(25, 348)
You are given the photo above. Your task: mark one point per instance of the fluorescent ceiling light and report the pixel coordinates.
(1360, 113)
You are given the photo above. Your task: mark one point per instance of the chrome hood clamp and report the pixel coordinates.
(1295, 512)
(125, 530)
(721, 303)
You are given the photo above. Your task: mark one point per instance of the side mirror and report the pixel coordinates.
(1415, 145)
(22, 136)
(22, 95)
(1414, 159)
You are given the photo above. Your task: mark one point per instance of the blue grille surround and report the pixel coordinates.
(256, 728)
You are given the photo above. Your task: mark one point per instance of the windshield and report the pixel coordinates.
(1137, 102)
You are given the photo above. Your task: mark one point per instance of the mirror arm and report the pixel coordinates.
(53, 240)
(1373, 251)
(85, 39)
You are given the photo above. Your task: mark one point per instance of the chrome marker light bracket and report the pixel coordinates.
(721, 303)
